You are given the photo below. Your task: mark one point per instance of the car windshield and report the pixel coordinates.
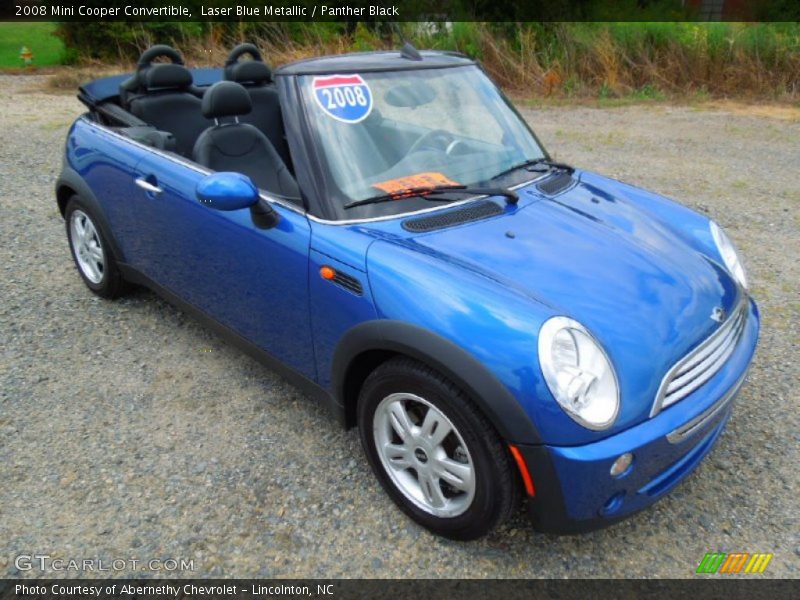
(380, 133)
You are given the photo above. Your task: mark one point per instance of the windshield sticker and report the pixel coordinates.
(403, 185)
(346, 98)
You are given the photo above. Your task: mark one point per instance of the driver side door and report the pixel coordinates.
(252, 279)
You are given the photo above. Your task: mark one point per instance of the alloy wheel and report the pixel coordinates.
(87, 247)
(424, 455)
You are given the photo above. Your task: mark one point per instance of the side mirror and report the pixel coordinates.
(227, 191)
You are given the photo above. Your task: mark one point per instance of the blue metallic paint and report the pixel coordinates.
(106, 167)
(227, 191)
(588, 257)
(253, 280)
(583, 471)
(334, 310)
(640, 272)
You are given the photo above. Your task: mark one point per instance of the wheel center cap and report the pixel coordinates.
(420, 455)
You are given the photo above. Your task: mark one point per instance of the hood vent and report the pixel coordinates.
(471, 212)
(555, 184)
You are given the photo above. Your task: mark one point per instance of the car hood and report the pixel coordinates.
(599, 256)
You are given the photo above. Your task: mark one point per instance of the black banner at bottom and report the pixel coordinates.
(254, 589)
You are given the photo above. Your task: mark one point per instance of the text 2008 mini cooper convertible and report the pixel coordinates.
(386, 231)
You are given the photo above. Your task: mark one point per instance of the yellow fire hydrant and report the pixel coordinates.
(26, 55)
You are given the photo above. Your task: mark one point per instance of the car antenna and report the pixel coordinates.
(409, 52)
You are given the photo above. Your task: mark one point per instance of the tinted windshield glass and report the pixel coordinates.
(381, 132)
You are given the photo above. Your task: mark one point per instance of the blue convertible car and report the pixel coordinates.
(386, 231)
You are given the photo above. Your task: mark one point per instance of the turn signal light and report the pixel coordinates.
(523, 470)
(327, 273)
(622, 465)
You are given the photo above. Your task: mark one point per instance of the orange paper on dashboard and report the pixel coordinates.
(402, 185)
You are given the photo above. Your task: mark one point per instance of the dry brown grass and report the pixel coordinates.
(645, 61)
(69, 79)
(212, 49)
(733, 60)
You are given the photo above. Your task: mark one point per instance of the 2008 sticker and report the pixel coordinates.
(346, 98)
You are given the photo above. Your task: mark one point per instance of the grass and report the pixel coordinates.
(644, 61)
(609, 64)
(48, 50)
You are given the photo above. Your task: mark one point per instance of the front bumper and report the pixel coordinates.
(574, 491)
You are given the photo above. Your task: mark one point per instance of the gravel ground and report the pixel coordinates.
(128, 430)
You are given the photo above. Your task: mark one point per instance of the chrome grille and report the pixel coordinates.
(703, 362)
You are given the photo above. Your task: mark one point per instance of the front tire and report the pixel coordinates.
(91, 251)
(434, 452)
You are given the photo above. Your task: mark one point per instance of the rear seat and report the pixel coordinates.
(256, 77)
(161, 95)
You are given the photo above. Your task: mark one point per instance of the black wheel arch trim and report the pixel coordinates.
(70, 183)
(452, 361)
(547, 508)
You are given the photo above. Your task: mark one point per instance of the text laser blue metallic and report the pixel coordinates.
(387, 232)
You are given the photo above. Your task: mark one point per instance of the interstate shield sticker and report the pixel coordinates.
(346, 98)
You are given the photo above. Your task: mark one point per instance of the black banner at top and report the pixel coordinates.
(400, 10)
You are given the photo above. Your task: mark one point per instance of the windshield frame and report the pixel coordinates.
(326, 208)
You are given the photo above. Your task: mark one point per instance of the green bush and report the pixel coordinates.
(114, 41)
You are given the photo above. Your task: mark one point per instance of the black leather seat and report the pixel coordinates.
(256, 77)
(164, 100)
(240, 147)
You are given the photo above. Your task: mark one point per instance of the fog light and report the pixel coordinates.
(621, 465)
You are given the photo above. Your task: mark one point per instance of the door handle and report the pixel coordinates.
(147, 186)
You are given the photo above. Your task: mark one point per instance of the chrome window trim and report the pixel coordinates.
(185, 162)
(177, 159)
(734, 325)
(699, 422)
(417, 212)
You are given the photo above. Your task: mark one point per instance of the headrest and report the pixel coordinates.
(226, 99)
(167, 76)
(158, 51)
(241, 50)
(248, 71)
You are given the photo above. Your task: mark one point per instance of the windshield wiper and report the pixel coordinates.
(423, 192)
(531, 162)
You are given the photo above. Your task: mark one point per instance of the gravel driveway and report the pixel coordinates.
(129, 431)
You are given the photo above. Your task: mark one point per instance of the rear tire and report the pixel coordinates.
(91, 251)
(436, 455)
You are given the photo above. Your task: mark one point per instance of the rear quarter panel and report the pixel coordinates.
(106, 163)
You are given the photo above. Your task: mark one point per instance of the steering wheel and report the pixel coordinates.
(438, 139)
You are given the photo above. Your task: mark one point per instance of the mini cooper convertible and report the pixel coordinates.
(386, 231)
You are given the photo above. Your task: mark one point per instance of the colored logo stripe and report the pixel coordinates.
(711, 562)
(758, 563)
(734, 562)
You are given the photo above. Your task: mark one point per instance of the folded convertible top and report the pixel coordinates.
(95, 92)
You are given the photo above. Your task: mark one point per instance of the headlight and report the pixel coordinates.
(728, 253)
(578, 373)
